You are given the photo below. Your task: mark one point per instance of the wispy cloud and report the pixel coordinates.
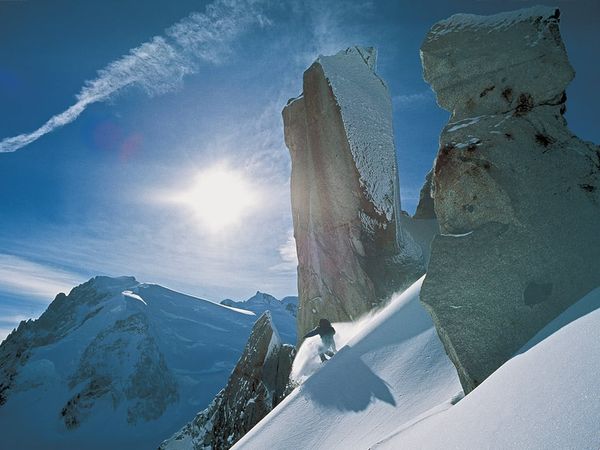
(414, 99)
(29, 279)
(5, 331)
(288, 255)
(329, 26)
(10, 322)
(13, 318)
(159, 65)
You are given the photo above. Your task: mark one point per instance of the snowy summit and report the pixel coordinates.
(136, 359)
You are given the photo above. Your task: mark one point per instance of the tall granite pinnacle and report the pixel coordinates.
(345, 202)
(517, 195)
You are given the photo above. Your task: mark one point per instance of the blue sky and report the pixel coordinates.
(152, 96)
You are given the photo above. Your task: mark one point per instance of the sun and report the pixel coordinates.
(219, 197)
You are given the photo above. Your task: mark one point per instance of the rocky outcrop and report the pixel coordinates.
(283, 312)
(352, 252)
(147, 390)
(517, 195)
(258, 383)
(425, 208)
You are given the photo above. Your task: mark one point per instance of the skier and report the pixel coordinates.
(326, 331)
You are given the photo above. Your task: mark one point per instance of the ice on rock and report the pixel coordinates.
(497, 22)
(366, 110)
(491, 64)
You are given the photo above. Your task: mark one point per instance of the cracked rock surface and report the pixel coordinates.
(517, 195)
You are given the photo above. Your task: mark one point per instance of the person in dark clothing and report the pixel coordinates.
(326, 331)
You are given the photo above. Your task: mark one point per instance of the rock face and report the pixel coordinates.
(352, 251)
(516, 194)
(425, 208)
(258, 383)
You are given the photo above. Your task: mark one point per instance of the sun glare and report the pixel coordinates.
(219, 197)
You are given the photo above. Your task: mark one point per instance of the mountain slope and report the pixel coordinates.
(258, 383)
(548, 396)
(392, 370)
(393, 387)
(115, 364)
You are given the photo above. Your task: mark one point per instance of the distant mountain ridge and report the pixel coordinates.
(135, 359)
(280, 311)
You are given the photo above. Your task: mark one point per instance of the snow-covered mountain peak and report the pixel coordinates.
(283, 312)
(136, 358)
(261, 297)
(106, 283)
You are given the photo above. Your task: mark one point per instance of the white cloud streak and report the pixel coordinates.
(288, 255)
(329, 27)
(4, 332)
(159, 65)
(39, 282)
(414, 99)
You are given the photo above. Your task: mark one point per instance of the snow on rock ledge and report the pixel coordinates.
(366, 110)
(517, 195)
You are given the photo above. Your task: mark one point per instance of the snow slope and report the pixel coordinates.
(393, 387)
(546, 397)
(392, 370)
(116, 364)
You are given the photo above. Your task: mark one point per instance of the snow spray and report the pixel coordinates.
(307, 360)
